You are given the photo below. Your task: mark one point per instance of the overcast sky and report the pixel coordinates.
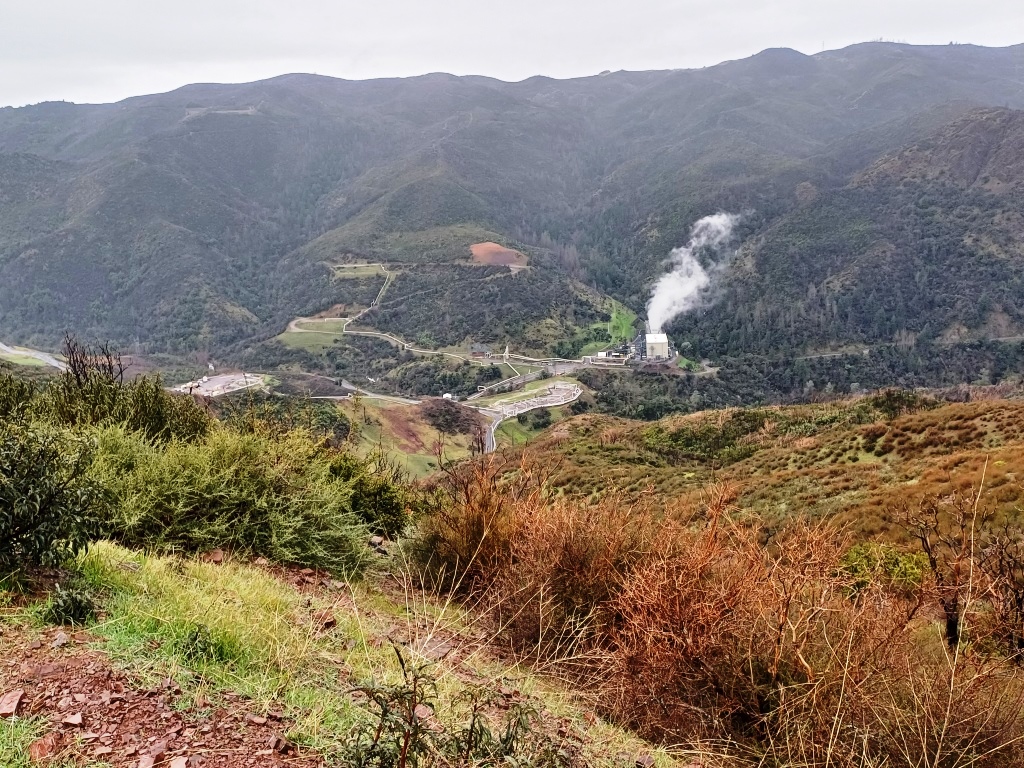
(106, 50)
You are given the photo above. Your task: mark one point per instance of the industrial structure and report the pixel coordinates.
(657, 346)
(651, 346)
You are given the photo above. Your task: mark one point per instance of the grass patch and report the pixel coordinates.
(350, 271)
(621, 325)
(16, 734)
(402, 433)
(314, 343)
(332, 325)
(229, 627)
(237, 628)
(25, 360)
(511, 432)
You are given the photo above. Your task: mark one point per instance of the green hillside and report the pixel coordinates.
(922, 246)
(205, 219)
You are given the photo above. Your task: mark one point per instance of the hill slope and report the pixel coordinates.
(207, 216)
(922, 245)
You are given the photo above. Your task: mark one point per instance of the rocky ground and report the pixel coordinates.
(92, 711)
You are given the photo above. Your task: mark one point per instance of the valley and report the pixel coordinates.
(538, 224)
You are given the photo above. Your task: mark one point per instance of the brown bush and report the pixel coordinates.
(692, 624)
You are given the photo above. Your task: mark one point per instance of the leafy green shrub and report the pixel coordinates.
(896, 402)
(69, 606)
(251, 493)
(92, 391)
(253, 411)
(48, 504)
(380, 496)
(15, 395)
(870, 563)
(541, 419)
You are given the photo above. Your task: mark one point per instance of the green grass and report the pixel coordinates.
(349, 271)
(259, 640)
(620, 327)
(369, 419)
(16, 734)
(231, 628)
(511, 432)
(594, 347)
(311, 342)
(25, 360)
(417, 464)
(328, 325)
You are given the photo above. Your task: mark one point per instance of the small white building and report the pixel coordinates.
(657, 346)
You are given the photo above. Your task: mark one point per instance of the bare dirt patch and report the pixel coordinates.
(401, 424)
(93, 711)
(497, 255)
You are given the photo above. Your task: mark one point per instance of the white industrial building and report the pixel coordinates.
(657, 346)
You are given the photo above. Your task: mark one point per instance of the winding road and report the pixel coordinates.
(43, 357)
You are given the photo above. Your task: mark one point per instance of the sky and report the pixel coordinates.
(107, 50)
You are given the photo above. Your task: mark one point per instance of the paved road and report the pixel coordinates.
(43, 357)
(560, 393)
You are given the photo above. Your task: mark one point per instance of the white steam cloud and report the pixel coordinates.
(685, 286)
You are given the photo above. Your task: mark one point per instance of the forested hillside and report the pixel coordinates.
(924, 245)
(207, 217)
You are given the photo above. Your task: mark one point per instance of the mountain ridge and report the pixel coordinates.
(208, 215)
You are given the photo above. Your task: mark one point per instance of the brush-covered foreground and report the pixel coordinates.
(238, 605)
(798, 645)
(238, 588)
(344, 673)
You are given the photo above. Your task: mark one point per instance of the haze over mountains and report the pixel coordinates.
(881, 186)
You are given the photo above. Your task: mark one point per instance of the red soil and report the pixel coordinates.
(492, 253)
(95, 712)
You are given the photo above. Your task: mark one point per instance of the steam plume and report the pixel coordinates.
(685, 286)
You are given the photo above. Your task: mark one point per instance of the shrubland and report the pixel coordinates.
(225, 561)
(684, 614)
(91, 454)
(694, 623)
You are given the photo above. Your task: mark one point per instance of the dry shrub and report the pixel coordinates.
(940, 709)
(693, 628)
(673, 664)
(612, 436)
(466, 540)
(768, 649)
(566, 562)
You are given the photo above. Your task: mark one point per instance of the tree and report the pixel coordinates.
(949, 532)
